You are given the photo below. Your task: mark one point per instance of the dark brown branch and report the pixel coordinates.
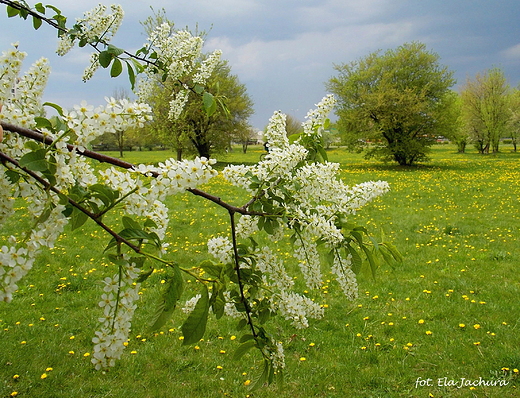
(40, 137)
(52, 188)
(237, 270)
(32, 13)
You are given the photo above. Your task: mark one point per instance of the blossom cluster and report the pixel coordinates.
(89, 122)
(316, 117)
(21, 96)
(315, 200)
(17, 258)
(221, 248)
(118, 304)
(182, 53)
(97, 25)
(297, 308)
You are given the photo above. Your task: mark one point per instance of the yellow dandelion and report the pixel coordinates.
(421, 321)
(247, 382)
(303, 359)
(43, 376)
(219, 367)
(461, 325)
(476, 326)
(233, 337)
(428, 332)
(222, 352)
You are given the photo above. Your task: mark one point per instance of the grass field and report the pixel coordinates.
(451, 310)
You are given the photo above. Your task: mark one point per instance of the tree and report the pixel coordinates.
(456, 132)
(514, 122)
(244, 135)
(194, 130)
(214, 133)
(485, 107)
(395, 99)
(293, 125)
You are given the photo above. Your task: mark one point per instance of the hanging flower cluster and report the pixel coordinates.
(97, 26)
(118, 304)
(181, 54)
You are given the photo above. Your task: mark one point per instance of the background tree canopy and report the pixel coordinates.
(197, 131)
(399, 100)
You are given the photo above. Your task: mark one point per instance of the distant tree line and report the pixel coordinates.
(393, 105)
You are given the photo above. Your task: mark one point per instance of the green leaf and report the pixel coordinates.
(45, 213)
(371, 260)
(105, 58)
(212, 269)
(218, 301)
(242, 323)
(393, 250)
(243, 348)
(323, 153)
(169, 300)
(77, 218)
(210, 105)
(40, 8)
(35, 160)
(12, 176)
(357, 261)
(128, 223)
(37, 22)
(263, 377)
(106, 194)
(131, 74)
(56, 10)
(194, 327)
(42, 122)
(198, 89)
(32, 145)
(143, 275)
(117, 68)
(12, 12)
(114, 50)
(58, 108)
(358, 236)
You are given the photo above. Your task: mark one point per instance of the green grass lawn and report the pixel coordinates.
(451, 310)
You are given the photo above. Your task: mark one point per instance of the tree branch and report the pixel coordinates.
(52, 188)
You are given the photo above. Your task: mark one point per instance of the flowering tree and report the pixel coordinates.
(293, 193)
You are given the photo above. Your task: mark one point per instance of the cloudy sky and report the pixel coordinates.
(285, 50)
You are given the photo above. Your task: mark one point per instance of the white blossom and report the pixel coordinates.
(221, 249)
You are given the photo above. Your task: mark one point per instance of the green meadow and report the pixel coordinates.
(444, 323)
